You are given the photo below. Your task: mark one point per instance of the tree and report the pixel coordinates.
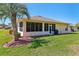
(77, 24)
(14, 11)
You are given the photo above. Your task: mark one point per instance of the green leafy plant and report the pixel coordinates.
(37, 42)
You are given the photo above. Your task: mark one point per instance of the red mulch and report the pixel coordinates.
(19, 42)
(24, 40)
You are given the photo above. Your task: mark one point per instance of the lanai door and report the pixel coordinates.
(52, 28)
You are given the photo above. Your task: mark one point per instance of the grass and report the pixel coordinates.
(57, 45)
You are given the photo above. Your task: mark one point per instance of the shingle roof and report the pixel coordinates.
(45, 19)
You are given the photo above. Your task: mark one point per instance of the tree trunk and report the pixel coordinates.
(14, 25)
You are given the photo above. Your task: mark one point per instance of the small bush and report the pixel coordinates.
(10, 31)
(38, 42)
(19, 35)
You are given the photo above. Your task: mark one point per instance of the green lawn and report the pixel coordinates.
(50, 45)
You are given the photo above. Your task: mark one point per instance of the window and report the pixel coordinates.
(31, 26)
(66, 29)
(45, 27)
(53, 27)
(21, 26)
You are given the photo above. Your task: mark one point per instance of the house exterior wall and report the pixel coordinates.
(59, 26)
(39, 33)
(74, 28)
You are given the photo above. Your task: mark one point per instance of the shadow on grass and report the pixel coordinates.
(37, 42)
(67, 33)
(71, 33)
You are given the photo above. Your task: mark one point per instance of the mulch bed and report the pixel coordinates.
(16, 43)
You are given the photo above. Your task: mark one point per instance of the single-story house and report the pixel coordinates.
(39, 25)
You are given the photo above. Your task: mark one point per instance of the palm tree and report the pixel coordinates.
(13, 11)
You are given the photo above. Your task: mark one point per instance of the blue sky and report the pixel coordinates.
(67, 12)
(59, 11)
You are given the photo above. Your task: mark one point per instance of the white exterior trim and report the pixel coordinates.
(40, 33)
(43, 26)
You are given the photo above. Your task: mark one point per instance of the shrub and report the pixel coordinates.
(19, 35)
(37, 42)
(10, 31)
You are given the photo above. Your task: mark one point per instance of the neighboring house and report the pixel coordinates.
(9, 26)
(39, 25)
(5, 26)
(1, 26)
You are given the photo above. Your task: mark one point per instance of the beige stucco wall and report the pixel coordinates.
(61, 28)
